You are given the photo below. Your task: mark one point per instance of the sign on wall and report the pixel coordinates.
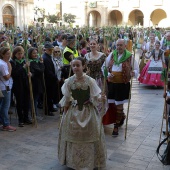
(93, 4)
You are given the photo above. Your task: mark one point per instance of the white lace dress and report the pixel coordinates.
(81, 144)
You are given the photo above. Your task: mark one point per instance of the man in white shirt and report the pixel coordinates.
(122, 66)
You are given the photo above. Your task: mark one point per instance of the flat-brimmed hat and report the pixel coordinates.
(48, 45)
(71, 38)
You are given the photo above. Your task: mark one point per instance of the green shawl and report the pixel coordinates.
(124, 57)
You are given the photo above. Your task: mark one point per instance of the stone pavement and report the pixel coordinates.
(31, 148)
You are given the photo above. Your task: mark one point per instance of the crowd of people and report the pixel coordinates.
(89, 77)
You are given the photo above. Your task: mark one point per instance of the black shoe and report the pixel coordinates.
(50, 114)
(21, 125)
(27, 121)
(115, 132)
(122, 121)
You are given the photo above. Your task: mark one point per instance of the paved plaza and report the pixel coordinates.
(31, 148)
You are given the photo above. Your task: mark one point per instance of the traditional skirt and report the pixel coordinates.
(118, 91)
(110, 116)
(81, 141)
(151, 74)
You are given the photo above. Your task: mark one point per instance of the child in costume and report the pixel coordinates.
(81, 142)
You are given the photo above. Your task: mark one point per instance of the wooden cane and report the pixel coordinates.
(32, 100)
(30, 87)
(127, 116)
(103, 102)
(45, 105)
(164, 111)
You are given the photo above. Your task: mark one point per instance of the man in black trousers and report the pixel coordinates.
(50, 75)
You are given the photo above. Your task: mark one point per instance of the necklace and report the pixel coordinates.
(79, 78)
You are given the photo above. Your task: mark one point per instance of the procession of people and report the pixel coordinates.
(88, 81)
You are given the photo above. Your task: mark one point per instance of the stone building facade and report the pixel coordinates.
(119, 12)
(16, 13)
(89, 12)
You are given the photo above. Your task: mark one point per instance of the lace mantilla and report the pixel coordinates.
(79, 85)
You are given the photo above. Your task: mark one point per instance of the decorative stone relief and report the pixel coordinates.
(8, 11)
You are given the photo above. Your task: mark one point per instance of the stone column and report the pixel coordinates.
(19, 16)
(15, 15)
(125, 18)
(147, 21)
(23, 16)
(105, 17)
(85, 14)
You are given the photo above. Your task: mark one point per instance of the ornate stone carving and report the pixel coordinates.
(8, 11)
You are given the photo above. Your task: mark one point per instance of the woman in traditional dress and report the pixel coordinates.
(151, 73)
(147, 48)
(81, 142)
(94, 62)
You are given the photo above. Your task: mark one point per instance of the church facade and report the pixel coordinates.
(95, 13)
(16, 13)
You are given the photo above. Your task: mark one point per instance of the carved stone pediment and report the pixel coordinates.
(8, 11)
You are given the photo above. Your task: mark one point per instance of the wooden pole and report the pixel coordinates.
(30, 85)
(164, 111)
(127, 116)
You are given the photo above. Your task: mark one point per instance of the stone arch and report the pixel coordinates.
(94, 18)
(136, 17)
(157, 15)
(8, 15)
(115, 17)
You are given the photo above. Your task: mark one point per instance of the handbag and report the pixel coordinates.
(1, 95)
(165, 158)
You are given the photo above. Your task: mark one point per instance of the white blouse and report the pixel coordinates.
(4, 72)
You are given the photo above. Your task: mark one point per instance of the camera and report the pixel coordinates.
(7, 88)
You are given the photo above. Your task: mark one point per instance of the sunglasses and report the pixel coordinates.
(57, 51)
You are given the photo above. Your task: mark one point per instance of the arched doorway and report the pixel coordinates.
(157, 15)
(94, 19)
(115, 18)
(136, 18)
(8, 17)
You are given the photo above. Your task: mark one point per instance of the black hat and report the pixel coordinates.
(48, 45)
(70, 38)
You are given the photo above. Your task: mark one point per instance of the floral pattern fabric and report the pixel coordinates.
(81, 142)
